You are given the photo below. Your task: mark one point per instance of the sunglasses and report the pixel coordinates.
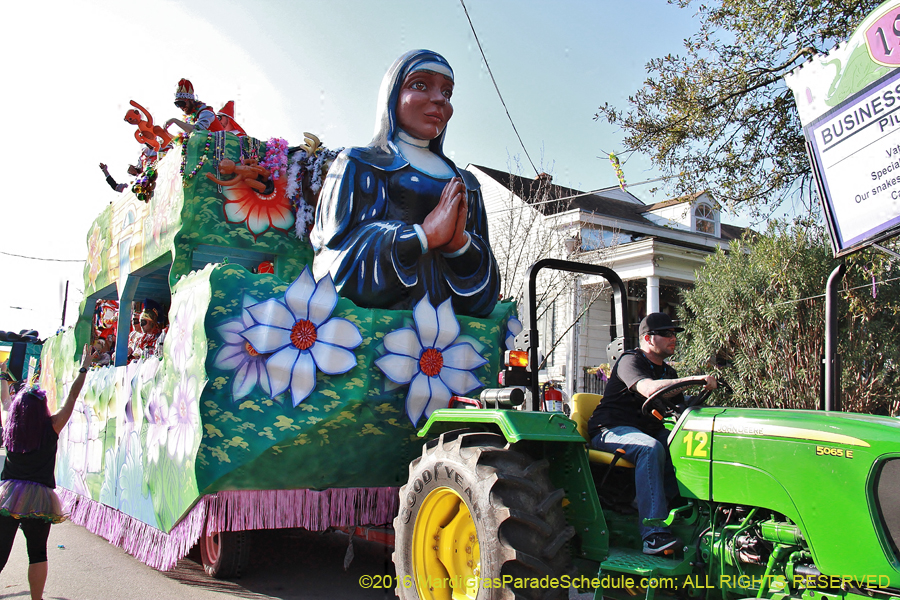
(666, 334)
(144, 322)
(181, 104)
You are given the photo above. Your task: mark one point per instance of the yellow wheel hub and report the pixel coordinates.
(446, 558)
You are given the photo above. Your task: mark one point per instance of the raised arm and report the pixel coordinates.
(147, 115)
(61, 417)
(648, 387)
(186, 127)
(4, 385)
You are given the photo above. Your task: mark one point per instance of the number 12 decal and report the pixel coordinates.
(701, 439)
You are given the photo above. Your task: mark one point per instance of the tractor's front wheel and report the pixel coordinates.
(479, 520)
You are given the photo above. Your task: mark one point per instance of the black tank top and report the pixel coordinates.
(37, 465)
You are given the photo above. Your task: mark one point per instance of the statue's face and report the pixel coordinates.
(423, 107)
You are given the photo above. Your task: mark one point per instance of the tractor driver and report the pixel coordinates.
(618, 422)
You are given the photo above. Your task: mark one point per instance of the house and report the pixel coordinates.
(655, 249)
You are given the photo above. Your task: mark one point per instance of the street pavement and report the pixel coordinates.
(287, 564)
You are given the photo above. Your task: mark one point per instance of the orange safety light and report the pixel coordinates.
(515, 358)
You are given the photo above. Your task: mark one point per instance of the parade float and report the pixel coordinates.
(273, 401)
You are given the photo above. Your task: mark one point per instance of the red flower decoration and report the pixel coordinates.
(260, 212)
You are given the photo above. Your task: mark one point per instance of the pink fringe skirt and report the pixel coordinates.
(29, 500)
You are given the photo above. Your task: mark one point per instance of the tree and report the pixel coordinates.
(721, 117)
(525, 228)
(759, 310)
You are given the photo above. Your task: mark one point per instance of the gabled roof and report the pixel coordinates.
(731, 232)
(610, 202)
(674, 201)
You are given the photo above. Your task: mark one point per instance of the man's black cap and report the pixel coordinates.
(658, 322)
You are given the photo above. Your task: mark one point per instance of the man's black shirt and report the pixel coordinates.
(621, 405)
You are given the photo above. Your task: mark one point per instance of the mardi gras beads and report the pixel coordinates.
(203, 156)
(145, 184)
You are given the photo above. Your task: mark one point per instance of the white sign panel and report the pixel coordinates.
(849, 104)
(857, 148)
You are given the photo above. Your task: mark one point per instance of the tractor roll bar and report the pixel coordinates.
(620, 296)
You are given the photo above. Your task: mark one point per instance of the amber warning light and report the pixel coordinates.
(516, 358)
(515, 372)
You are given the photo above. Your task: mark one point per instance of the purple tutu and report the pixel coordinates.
(28, 500)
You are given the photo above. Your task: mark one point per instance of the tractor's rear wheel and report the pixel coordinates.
(479, 519)
(225, 554)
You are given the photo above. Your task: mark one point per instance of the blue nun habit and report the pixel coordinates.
(372, 197)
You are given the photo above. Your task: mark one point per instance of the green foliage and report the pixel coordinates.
(759, 310)
(721, 117)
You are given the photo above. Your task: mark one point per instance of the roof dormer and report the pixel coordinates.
(694, 212)
(705, 217)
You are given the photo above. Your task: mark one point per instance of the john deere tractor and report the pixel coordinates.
(507, 501)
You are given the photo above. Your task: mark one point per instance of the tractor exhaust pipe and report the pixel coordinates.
(832, 360)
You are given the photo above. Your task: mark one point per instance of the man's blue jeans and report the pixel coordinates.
(654, 475)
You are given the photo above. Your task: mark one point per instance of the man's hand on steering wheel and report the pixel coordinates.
(660, 406)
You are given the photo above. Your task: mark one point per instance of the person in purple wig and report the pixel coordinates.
(27, 483)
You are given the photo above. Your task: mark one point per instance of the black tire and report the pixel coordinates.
(225, 554)
(503, 515)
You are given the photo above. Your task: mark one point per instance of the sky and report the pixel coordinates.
(291, 67)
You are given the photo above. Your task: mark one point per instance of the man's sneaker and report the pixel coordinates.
(661, 543)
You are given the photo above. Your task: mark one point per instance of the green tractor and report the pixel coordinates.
(509, 502)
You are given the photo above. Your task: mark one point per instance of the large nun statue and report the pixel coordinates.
(397, 220)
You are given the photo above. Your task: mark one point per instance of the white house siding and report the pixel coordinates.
(593, 333)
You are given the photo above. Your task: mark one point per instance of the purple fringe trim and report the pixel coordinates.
(236, 510)
(145, 542)
(240, 510)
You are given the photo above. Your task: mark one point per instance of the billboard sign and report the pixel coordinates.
(849, 105)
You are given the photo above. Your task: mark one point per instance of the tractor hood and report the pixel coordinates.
(822, 470)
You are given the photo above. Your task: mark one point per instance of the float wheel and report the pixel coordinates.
(225, 554)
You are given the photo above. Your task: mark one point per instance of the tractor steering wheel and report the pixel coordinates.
(659, 404)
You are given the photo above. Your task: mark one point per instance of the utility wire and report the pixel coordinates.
(579, 195)
(530, 204)
(44, 259)
(859, 287)
(477, 41)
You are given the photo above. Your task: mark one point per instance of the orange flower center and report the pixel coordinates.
(250, 349)
(303, 334)
(431, 362)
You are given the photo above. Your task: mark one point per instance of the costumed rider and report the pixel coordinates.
(396, 219)
(197, 114)
(226, 119)
(142, 341)
(618, 422)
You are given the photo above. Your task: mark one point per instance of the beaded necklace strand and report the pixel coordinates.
(200, 163)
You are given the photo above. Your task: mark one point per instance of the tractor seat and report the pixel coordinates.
(583, 406)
